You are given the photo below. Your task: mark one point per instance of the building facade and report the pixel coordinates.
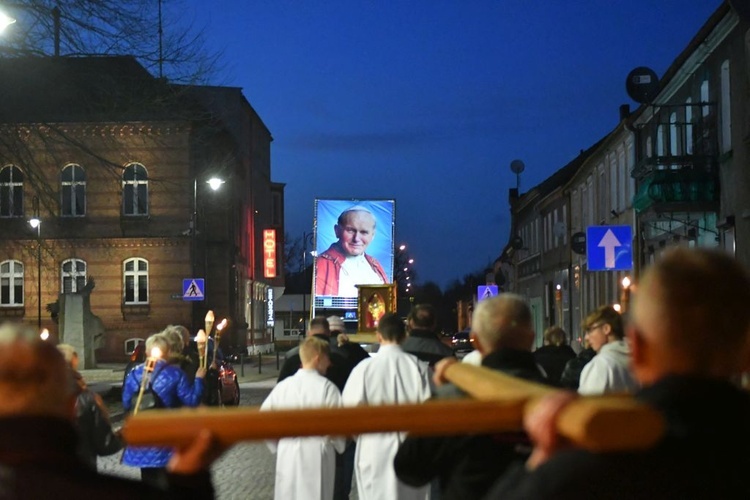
(114, 164)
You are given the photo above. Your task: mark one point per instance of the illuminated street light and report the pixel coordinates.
(5, 21)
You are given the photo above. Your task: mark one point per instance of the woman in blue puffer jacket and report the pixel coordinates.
(171, 386)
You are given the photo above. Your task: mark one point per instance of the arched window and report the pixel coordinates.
(73, 191)
(11, 283)
(135, 190)
(73, 275)
(11, 191)
(135, 277)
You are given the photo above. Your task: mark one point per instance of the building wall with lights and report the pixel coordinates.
(124, 217)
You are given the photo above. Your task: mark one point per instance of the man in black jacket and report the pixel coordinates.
(422, 341)
(38, 439)
(689, 340)
(467, 465)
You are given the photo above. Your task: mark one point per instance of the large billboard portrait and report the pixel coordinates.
(354, 245)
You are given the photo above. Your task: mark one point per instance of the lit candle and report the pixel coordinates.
(625, 295)
(44, 335)
(222, 324)
(148, 369)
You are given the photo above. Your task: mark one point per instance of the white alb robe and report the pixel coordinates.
(391, 377)
(305, 466)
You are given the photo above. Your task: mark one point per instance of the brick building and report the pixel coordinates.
(114, 162)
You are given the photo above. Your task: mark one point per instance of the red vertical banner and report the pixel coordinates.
(269, 253)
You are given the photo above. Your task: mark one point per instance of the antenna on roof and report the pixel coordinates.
(517, 166)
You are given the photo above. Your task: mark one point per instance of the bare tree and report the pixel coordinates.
(155, 32)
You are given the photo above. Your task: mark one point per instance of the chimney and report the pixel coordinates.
(624, 111)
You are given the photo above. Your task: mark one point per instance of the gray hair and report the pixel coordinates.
(503, 321)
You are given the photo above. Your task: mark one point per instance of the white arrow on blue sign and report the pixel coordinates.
(609, 248)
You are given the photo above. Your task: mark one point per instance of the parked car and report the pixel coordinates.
(137, 357)
(461, 342)
(228, 387)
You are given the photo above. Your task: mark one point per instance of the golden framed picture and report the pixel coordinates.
(373, 302)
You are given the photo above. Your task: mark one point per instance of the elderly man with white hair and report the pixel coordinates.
(467, 466)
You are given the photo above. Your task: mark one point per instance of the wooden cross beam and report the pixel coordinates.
(498, 404)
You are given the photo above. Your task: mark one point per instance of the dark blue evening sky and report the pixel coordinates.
(428, 102)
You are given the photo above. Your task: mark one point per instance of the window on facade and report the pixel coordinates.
(726, 111)
(689, 126)
(673, 136)
(614, 186)
(660, 141)
(73, 191)
(704, 97)
(135, 276)
(601, 191)
(622, 202)
(135, 190)
(73, 274)
(11, 283)
(11, 191)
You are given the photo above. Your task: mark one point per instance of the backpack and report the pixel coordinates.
(149, 400)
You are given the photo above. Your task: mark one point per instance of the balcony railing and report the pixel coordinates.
(678, 166)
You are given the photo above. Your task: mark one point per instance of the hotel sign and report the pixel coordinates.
(269, 253)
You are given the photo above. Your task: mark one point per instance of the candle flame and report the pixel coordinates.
(222, 325)
(44, 335)
(626, 282)
(156, 352)
(210, 316)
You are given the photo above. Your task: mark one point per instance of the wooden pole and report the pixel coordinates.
(595, 423)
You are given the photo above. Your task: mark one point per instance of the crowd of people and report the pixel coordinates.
(680, 351)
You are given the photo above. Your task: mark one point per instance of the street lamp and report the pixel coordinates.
(6, 20)
(36, 223)
(214, 183)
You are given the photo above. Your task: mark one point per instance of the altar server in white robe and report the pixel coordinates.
(306, 466)
(391, 377)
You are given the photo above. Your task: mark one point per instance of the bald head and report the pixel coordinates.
(503, 321)
(34, 377)
(691, 316)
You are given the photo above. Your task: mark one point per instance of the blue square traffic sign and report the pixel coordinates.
(609, 248)
(193, 289)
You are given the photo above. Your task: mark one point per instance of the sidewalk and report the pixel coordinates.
(109, 375)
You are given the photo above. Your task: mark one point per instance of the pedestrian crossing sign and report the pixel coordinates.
(486, 291)
(193, 289)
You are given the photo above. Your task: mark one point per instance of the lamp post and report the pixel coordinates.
(36, 223)
(214, 183)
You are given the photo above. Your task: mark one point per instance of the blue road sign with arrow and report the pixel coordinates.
(609, 248)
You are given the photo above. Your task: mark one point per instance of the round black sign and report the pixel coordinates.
(578, 243)
(642, 84)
